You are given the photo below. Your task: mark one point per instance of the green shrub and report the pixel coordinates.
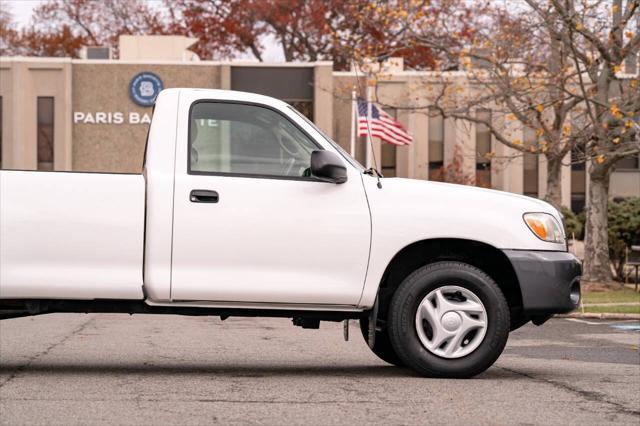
(582, 218)
(573, 227)
(624, 229)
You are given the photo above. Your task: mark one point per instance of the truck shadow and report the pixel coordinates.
(221, 371)
(205, 369)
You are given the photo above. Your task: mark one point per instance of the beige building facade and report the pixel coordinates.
(80, 115)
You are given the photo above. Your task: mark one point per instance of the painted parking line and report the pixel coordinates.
(609, 323)
(627, 327)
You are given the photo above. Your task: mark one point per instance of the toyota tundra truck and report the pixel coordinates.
(245, 208)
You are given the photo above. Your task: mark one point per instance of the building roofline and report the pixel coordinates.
(32, 59)
(241, 63)
(276, 64)
(407, 73)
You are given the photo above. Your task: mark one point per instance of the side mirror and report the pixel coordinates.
(327, 166)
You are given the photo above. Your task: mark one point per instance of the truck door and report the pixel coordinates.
(251, 224)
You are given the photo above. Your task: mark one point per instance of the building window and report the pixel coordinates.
(45, 133)
(436, 144)
(388, 152)
(362, 145)
(388, 162)
(530, 165)
(631, 162)
(294, 85)
(303, 107)
(577, 159)
(631, 63)
(483, 149)
(578, 181)
(578, 201)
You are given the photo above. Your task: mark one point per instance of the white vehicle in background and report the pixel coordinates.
(245, 208)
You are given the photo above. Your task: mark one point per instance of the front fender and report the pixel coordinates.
(406, 211)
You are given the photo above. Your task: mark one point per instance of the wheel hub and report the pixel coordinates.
(451, 321)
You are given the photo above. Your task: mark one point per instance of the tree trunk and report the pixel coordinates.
(596, 249)
(554, 181)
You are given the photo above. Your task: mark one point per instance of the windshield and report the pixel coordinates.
(342, 152)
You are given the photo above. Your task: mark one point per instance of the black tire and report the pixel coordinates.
(382, 346)
(402, 313)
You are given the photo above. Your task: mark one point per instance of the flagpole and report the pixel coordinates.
(369, 117)
(354, 122)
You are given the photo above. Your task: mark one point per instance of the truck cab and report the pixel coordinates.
(244, 207)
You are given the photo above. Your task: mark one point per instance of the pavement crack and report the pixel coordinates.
(46, 351)
(588, 395)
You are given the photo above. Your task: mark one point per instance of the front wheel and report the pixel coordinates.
(448, 319)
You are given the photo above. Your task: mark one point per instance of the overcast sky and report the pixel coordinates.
(21, 9)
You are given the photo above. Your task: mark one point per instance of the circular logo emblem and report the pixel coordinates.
(144, 88)
(451, 321)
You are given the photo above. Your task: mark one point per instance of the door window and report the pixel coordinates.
(240, 139)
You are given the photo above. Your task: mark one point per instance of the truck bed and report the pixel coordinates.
(71, 235)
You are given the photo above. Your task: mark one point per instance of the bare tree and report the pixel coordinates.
(63, 27)
(599, 39)
(8, 31)
(556, 67)
(313, 30)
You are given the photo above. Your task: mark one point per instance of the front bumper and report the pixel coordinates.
(549, 280)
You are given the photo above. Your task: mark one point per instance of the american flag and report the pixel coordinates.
(383, 126)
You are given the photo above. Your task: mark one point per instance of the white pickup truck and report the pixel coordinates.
(245, 208)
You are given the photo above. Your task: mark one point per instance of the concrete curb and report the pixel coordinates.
(600, 316)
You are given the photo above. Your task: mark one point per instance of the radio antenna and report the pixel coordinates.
(373, 170)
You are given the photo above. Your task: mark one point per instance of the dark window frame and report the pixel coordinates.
(435, 168)
(631, 158)
(391, 170)
(53, 132)
(246, 175)
(437, 164)
(1, 127)
(483, 163)
(536, 157)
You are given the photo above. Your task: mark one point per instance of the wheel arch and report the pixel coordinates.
(486, 257)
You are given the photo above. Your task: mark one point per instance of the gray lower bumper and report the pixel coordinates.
(549, 280)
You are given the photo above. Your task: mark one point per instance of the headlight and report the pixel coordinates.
(545, 226)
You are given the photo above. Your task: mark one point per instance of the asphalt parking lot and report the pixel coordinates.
(115, 369)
